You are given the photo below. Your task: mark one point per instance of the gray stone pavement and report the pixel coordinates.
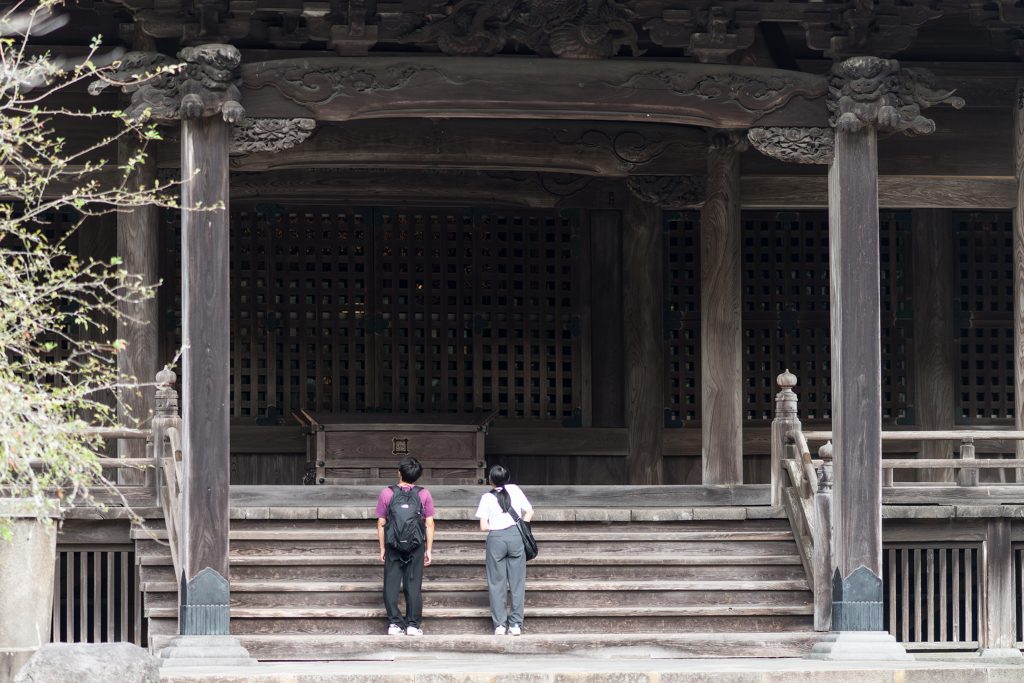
(565, 670)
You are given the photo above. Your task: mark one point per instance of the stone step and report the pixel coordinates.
(578, 600)
(468, 572)
(554, 626)
(478, 559)
(576, 645)
(481, 585)
(542, 536)
(627, 611)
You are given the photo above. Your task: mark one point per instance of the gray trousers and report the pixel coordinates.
(506, 571)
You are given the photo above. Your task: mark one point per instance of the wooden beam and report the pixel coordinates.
(932, 296)
(644, 371)
(721, 344)
(606, 149)
(607, 341)
(711, 95)
(206, 331)
(138, 248)
(894, 192)
(856, 374)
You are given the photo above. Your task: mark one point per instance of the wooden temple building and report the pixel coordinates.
(649, 255)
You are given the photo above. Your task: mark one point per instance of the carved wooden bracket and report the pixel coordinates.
(669, 192)
(269, 135)
(870, 91)
(202, 82)
(716, 96)
(796, 145)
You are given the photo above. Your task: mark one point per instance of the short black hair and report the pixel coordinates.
(411, 469)
(498, 475)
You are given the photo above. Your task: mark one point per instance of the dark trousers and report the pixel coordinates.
(409, 575)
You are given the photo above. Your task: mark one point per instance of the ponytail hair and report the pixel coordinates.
(499, 476)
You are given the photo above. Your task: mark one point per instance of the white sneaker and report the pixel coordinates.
(500, 631)
(395, 630)
(413, 631)
(515, 631)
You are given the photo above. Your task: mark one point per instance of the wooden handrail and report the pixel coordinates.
(948, 435)
(112, 463)
(951, 463)
(118, 433)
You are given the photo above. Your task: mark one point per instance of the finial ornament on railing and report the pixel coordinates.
(825, 480)
(786, 400)
(166, 396)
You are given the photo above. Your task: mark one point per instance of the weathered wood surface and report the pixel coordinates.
(932, 231)
(996, 435)
(578, 441)
(1018, 264)
(605, 149)
(262, 469)
(721, 321)
(856, 352)
(428, 446)
(540, 496)
(205, 301)
(78, 531)
(137, 324)
(900, 464)
(642, 325)
(894, 192)
(607, 342)
(1000, 613)
(339, 89)
(950, 495)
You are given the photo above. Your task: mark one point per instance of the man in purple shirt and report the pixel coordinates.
(405, 568)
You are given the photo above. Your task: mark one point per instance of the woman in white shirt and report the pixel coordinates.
(506, 557)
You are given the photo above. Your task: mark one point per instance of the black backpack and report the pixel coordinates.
(404, 530)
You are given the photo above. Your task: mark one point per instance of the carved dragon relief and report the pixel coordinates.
(316, 86)
(796, 145)
(581, 29)
(870, 91)
(669, 192)
(755, 93)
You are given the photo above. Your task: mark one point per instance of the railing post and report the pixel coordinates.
(785, 420)
(967, 477)
(823, 568)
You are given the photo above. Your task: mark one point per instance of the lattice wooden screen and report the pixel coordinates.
(786, 312)
(983, 250)
(682, 313)
(350, 309)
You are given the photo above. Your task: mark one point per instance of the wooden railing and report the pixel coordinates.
(97, 597)
(943, 592)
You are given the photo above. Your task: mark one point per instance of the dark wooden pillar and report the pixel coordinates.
(856, 381)
(933, 333)
(1018, 266)
(721, 343)
(1000, 633)
(97, 241)
(608, 343)
(138, 325)
(643, 337)
(206, 335)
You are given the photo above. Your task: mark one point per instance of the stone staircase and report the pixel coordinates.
(311, 588)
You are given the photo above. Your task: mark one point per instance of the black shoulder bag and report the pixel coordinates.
(529, 542)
